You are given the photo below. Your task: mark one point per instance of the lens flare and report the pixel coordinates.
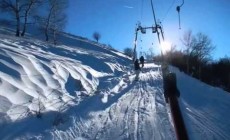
(165, 46)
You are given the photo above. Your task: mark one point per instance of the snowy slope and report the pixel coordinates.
(205, 108)
(83, 90)
(136, 111)
(79, 86)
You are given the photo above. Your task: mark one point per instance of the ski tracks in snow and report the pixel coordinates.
(202, 124)
(139, 114)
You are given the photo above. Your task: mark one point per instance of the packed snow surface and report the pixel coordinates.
(84, 90)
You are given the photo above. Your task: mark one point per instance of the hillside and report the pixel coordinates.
(80, 89)
(47, 88)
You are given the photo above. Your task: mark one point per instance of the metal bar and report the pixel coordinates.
(135, 44)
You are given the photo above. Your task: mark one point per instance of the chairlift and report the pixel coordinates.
(154, 30)
(143, 30)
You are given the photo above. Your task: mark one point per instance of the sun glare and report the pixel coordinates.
(165, 46)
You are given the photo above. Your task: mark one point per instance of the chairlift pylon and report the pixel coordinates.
(155, 29)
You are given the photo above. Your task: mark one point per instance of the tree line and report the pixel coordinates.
(196, 60)
(49, 15)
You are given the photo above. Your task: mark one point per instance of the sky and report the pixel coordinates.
(116, 21)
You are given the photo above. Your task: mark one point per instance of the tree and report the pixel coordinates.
(221, 72)
(53, 20)
(128, 52)
(14, 8)
(28, 7)
(187, 41)
(96, 36)
(58, 17)
(198, 50)
(19, 9)
(201, 49)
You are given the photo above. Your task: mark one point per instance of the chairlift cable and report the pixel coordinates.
(157, 26)
(142, 3)
(153, 13)
(155, 22)
(166, 14)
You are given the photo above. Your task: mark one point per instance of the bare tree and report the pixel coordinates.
(15, 8)
(58, 17)
(19, 9)
(169, 54)
(201, 49)
(197, 47)
(28, 7)
(187, 41)
(54, 20)
(96, 36)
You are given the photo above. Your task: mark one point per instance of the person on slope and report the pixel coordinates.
(142, 61)
(137, 69)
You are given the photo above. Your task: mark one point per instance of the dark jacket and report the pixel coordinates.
(142, 59)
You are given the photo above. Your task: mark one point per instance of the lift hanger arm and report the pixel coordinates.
(178, 10)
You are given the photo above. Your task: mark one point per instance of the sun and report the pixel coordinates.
(165, 46)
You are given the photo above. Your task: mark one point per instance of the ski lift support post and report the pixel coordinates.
(170, 79)
(157, 26)
(155, 29)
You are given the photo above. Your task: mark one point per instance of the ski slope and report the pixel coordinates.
(83, 90)
(204, 108)
(48, 91)
(137, 111)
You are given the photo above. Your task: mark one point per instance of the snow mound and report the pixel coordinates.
(36, 76)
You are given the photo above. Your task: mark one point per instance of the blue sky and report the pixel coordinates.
(116, 20)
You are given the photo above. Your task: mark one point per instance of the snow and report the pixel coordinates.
(137, 111)
(205, 108)
(83, 90)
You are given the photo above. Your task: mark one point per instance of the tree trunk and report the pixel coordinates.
(18, 25)
(46, 34)
(200, 71)
(25, 23)
(17, 19)
(26, 17)
(48, 23)
(47, 28)
(24, 26)
(55, 27)
(54, 37)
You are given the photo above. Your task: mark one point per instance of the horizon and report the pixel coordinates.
(116, 22)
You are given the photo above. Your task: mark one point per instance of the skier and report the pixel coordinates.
(137, 69)
(142, 61)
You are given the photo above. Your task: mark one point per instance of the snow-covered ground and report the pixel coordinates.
(84, 90)
(204, 108)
